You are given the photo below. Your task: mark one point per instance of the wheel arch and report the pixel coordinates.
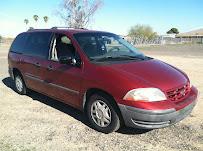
(92, 91)
(16, 71)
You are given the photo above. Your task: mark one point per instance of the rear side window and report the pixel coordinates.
(18, 44)
(38, 44)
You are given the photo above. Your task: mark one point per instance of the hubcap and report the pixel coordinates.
(101, 113)
(19, 84)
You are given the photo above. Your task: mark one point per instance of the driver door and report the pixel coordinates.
(62, 81)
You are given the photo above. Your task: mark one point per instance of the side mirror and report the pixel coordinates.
(69, 61)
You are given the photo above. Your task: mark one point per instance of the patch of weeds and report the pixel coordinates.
(6, 147)
(50, 136)
(9, 147)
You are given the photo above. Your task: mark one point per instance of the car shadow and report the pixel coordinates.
(50, 102)
(77, 114)
(132, 131)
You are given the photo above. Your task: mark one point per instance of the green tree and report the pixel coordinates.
(173, 31)
(46, 18)
(78, 13)
(1, 38)
(141, 33)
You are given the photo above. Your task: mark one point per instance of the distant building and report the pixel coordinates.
(195, 36)
(168, 39)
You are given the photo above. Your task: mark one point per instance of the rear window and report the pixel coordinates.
(38, 44)
(19, 43)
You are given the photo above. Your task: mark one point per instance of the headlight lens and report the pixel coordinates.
(145, 94)
(190, 84)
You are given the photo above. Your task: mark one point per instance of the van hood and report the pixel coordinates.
(153, 72)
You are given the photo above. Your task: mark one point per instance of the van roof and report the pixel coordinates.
(64, 30)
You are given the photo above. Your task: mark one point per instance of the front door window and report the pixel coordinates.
(62, 47)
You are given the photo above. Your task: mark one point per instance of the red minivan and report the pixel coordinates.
(103, 75)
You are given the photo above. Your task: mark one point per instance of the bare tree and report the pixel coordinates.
(78, 13)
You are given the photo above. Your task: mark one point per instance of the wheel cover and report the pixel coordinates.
(19, 84)
(101, 113)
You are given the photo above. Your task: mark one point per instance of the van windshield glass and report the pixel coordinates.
(106, 46)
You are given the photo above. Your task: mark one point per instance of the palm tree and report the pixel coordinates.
(36, 17)
(46, 18)
(26, 21)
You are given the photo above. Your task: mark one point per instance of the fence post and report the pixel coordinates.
(180, 39)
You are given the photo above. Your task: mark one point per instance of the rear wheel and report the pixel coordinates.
(20, 84)
(102, 113)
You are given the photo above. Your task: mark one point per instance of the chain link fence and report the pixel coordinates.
(161, 40)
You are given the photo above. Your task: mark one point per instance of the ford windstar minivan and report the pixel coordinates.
(103, 75)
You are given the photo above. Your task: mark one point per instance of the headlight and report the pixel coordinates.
(145, 94)
(190, 84)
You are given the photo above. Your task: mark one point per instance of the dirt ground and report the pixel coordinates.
(37, 122)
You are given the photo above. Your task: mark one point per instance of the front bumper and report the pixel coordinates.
(145, 119)
(152, 119)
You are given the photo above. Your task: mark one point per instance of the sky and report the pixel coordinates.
(115, 16)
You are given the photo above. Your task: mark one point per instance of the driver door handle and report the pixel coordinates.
(37, 64)
(50, 68)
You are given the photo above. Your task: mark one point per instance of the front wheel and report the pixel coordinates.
(20, 85)
(102, 114)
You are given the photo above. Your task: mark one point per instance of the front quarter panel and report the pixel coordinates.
(104, 78)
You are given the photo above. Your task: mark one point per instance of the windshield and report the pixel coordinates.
(107, 46)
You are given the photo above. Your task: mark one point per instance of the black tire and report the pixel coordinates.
(114, 123)
(19, 79)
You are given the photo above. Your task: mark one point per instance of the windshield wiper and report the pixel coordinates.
(102, 58)
(125, 57)
(133, 57)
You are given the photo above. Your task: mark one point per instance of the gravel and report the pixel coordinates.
(37, 122)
